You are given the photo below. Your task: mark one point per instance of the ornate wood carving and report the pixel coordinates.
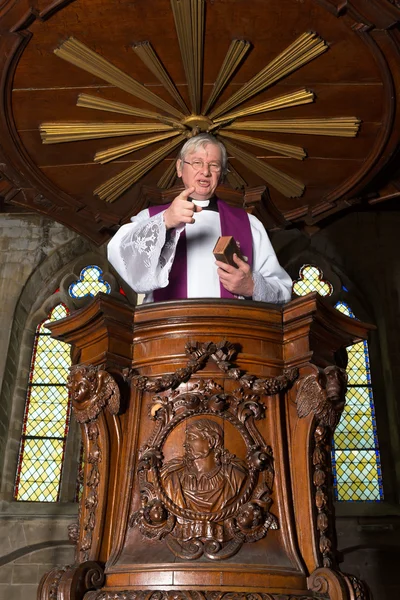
(329, 582)
(323, 393)
(88, 516)
(358, 589)
(221, 353)
(192, 595)
(91, 390)
(338, 585)
(71, 582)
(221, 454)
(207, 501)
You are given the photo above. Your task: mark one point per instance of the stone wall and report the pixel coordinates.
(371, 551)
(31, 546)
(35, 253)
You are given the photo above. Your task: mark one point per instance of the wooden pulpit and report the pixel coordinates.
(207, 427)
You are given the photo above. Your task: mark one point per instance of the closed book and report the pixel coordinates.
(225, 248)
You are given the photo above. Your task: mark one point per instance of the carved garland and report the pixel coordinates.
(221, 353)
(92, 484)
(195, 527)
(191, 595)
(91, 390)
(323, 393)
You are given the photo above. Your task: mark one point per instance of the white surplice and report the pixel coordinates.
(142, 252)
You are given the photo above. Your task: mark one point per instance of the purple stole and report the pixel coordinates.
(234, 221)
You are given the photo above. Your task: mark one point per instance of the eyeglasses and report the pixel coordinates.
(198, 165)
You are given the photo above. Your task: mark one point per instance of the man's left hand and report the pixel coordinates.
(238, 281)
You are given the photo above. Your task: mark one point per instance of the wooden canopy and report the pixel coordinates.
(97, 96)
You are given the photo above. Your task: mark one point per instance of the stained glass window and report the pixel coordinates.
(311, 280)
(355, 456)
(355, 451)
(47, 408)
(90, 282)
(46, 418)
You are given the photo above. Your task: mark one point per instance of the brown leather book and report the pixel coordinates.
(225, 248)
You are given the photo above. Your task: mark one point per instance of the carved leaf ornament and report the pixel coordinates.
(169, 126)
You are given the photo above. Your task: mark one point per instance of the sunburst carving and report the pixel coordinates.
(173, 125)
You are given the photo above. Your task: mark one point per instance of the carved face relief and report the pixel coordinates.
(91, 390)
(203, 438)
(199, 480)
(80, 385)
(156, 513)
(197, 446)
(336, 380)
(81, 388)
(249, 516)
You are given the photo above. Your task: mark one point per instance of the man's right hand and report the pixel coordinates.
(181, 210)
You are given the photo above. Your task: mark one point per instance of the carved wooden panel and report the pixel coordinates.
(298, 112)
(205, 500)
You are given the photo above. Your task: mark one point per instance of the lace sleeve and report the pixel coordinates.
(143, 251)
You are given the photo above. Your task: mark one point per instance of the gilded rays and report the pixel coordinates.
(169, 124)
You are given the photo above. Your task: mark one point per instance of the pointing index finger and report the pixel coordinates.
(186, 193)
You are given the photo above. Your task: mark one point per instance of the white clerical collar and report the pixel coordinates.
(202, 203)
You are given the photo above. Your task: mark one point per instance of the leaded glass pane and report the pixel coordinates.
(356, 460)
(52, 361)
(90, 283)
(358, 364)
(47, 408)
(355, 429)
(358, 475)
(47, 411)
(41, 469)
(311, 280)
(46, 417)
(59, 312)
(355, 454)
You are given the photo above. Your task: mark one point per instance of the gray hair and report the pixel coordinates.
(203, 139)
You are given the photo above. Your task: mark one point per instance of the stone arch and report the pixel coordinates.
(37, 298)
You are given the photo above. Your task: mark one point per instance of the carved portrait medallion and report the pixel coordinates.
(196, 493)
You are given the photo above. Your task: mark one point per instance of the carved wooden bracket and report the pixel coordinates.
(323, 393)
(338, 586)
(59, 582)
(92, 389)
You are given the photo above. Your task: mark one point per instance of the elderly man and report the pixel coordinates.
(166, 252)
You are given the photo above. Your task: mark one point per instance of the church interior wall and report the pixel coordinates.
(357, 250)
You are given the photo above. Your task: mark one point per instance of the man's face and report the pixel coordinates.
(196, 446)
(204, 180)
